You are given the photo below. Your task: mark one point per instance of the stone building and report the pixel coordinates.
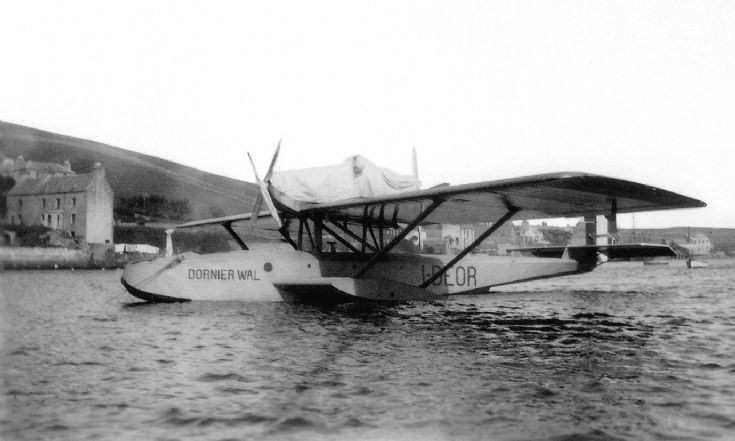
(447, 238)
(79, 204)
(20, 169)
(532, 235)
(697, 244)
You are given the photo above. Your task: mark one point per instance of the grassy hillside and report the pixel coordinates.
(130, 173)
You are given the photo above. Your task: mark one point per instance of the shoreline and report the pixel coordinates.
(103, 257)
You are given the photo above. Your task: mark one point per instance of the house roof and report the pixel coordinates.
(49, 167)
(52, 184)
(9, 166)
(699, 236)
(6, 166)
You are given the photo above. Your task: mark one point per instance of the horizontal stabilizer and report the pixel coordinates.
(589, 252)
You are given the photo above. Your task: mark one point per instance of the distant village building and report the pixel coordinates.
(579, 234)
(594, 230)
(13, 171)
(447, 238)
(417, 236)
(502, 239)
(698, 244)
(532, 235)
(60, 199)
(19, 169)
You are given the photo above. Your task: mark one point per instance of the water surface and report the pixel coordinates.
(626, 352)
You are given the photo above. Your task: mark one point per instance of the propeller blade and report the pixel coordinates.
(271, 206)
(414, 164)
(255, 170)
(256, 209)
(266, 181)
(273, 163)
(258, 199)
(263, 197)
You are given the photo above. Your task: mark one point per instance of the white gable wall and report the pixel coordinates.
(99, 208)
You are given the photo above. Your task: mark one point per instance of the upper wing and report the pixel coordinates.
(570, 194)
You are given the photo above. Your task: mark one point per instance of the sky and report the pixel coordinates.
(639, 90)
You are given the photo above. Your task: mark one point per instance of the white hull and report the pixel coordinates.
(271, 275)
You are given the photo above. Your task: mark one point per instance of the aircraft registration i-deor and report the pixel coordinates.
(357, 203)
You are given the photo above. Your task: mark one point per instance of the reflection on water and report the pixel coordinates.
(626, 352)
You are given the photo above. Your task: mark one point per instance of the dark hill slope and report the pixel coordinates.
(130, 173)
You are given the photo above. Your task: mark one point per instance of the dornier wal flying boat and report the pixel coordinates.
(370, 211)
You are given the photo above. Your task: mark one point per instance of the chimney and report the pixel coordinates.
(98, 174)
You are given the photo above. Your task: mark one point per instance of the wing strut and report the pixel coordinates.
(345, 229)
(340, 238)
(511, 211)
(399, 237)
(238, 239)
(305, 222)
(286, 235)
(301, 235)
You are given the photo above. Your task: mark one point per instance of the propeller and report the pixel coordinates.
(264, 195)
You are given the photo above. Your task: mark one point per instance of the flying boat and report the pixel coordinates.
(370, 211)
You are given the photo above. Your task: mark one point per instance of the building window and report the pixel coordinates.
(20, 219)
(43, 203)
(58, 221)
(58, 203)
(73, 202)
(73, 218)
(20, 203)
(12, 219)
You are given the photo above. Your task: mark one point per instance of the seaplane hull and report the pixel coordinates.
(294, 275)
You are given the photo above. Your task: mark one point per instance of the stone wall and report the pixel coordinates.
(60, 258)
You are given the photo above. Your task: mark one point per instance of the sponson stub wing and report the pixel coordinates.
(587, 252)
(566, 194)
(229, 220)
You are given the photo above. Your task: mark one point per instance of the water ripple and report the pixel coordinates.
(625, 352)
